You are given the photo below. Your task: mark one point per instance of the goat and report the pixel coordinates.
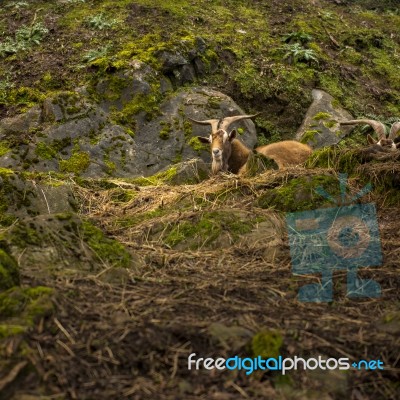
(230, 154)
(390, 143)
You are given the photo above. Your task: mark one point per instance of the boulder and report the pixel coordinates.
(21, 124)
(170, 136)
(80, 137)
(186, 172)
(115, 90)
(320, 126)
(21, 197)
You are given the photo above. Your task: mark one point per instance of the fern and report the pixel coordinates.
(387, 121)
(297, 53)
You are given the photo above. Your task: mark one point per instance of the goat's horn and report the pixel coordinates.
(230, 120)
(394, 130)
(213, 122)
(377, 126)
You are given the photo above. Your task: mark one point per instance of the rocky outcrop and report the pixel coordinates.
(126, 133)
(320, 126)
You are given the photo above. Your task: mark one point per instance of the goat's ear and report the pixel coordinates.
(232, 135)
(203, 139)
(371, 140)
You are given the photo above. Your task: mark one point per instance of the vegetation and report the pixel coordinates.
(108, 284)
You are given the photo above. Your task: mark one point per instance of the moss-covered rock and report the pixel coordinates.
(320, 126)
(210, 229)
(266, 344)
(56, 240)
(299, 194)
(20, 308)
(9, 273)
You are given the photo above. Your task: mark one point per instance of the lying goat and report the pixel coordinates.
(386, 143)
(230, 154)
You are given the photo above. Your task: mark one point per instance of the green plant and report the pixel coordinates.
(25, 37)
(17, 5)
(100, 22)
(95, 54)
(5, 86)
(297, 53)
(301, 37)
(381, 118)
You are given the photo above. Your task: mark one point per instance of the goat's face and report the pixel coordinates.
(386, 144)
(220, 143)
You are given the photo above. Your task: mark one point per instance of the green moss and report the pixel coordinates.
(299, 194)
(9, 274)
(76, 164)
(165, 131)
(206, 227)
(4, 147)
(45, 151)
(20, 308)
(107, 250)
(24, 96)
(343, 160)
(130, 221)
(309, 136)
(147, 103)
(321, 115)
(196, 145)
(266, 344)
(11, 330)
(6, 172)
(386, 67)
(160, 178)
(29, 301)
(331, 83)
(331, 124)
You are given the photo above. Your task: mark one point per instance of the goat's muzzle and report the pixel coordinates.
(217, 154)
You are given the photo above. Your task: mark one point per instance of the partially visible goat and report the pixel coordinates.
(230, 154)
(386, 143)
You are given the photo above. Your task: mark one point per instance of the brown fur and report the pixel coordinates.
(234, 153)
(239, 155)
(230, 154)
(286, 153)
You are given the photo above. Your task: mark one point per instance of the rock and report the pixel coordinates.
(184, 65)
(21, 197)
(170, 60)
(79, 137)
(320, 126)
(113, 154)
(187, 172)
(66, 106)
(64, 240)
(258, 233)
(117, 89)
(231, 338)
(21, 124)
(9, 274)
(171, 136)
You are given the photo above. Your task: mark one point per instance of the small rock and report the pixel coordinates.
(320, 126)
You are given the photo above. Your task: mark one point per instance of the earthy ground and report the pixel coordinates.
(127, 334)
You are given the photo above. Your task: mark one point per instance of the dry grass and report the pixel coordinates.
(131, 340)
